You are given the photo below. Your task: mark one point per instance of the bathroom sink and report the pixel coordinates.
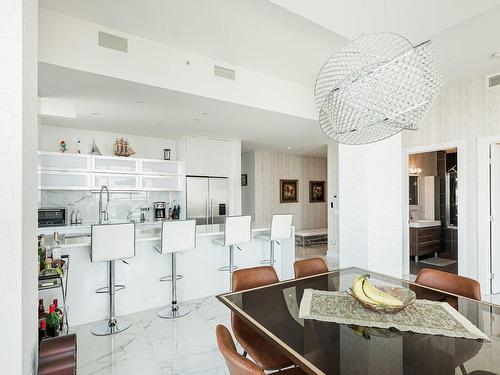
(425, 223)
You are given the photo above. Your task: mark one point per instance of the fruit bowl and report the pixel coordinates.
(406, 296)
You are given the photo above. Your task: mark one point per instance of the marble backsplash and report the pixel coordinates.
(121, 205)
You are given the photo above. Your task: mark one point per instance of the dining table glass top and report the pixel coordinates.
(330, 348)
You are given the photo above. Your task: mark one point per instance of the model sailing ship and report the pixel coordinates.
(122, 148)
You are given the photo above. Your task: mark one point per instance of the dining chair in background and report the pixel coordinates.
(448, 282)
(309, 267)
(236, 363)
(265, 354)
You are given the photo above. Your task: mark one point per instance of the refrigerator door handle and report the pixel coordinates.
(212, 209)
(206, 211)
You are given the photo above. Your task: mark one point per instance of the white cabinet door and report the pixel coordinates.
(219, 157)
(52, 180)
(53, 161)
(197, 156)
(113, 164)
(161, 183)
(115, 182)
(161, 167)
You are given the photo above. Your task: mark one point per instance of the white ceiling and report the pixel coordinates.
(167, 113)
(255, 34)
(289, 39)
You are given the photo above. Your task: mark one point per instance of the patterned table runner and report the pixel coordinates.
(428, 317)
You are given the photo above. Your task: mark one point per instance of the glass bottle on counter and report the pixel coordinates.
(53, 323)
(41, 309)
(60, 313)
(42, 330)
(56, 247)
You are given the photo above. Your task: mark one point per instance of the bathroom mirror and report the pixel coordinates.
(413, 193)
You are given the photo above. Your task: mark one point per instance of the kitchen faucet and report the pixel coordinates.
(103, 214)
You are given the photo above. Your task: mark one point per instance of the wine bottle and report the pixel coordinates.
(41, 309)
(56, 247)
(42, 330)
(52, 320)
(60, 313)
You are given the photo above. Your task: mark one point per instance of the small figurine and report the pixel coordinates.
(121, 147)
(95, 150)
(78, 150)
(62, 146)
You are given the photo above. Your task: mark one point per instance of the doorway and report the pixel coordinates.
(433, 206)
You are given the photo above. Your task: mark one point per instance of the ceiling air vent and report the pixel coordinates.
(493, 81)
(219, 71)
(113, 42)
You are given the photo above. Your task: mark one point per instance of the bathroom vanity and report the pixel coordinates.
(425, 238)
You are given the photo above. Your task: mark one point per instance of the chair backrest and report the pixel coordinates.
(178, 235)
(236, 363)
(448, 282)
(281, 227)
(112, 242)
(254, 277)
(309, 267)
(237, 230)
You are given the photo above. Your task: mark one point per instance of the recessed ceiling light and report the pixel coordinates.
(160, 123)
(204, 113)
(196, 119)
(138, 102)
(289, 147)
(496, 55)
(96, 114)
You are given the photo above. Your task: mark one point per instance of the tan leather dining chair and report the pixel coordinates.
(265, 354)
(448, 282)
(309, 267)
(236, 363)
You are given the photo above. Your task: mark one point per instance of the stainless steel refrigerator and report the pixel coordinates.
(207, 199)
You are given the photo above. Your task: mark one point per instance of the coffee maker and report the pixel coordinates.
(160, 210)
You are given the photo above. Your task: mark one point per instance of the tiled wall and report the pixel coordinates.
(119, 207)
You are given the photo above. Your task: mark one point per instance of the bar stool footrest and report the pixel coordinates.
(226, 268)
(105, 289)
(169, 278)
(267, 261)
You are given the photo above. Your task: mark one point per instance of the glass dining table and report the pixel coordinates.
(319, 347)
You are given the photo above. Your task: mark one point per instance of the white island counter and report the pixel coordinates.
(200, 268)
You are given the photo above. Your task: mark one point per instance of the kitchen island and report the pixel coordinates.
(200, 268)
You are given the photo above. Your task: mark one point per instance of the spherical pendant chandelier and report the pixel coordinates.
(374, 87)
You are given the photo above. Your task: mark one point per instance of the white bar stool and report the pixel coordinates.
(281, 229)
(237, 231)
(111, 242)
(176, 236)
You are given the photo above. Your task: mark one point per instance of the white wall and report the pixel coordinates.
(144, 147)
(18, 124)
(157, 64)
(462, 113)
(370, 199)
(270, 167)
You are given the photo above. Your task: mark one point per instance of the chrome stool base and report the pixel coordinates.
(111, 327)
(174, 311)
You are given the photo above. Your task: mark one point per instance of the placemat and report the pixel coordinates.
(428, 317)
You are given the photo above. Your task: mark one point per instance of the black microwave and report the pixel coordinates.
(51, 217)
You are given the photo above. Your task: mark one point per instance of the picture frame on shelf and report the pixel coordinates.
(316, 191)
(166, 154)
(289, 191)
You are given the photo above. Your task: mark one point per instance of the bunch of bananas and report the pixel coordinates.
(370, 294)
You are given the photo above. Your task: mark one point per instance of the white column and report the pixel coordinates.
(333, 200)
(370, 200)
(18, 140)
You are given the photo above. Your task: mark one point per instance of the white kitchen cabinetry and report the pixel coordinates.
(59, 171)
(161, 167)
(58, 180)
(113, 164)
(54, 161)
(115, 182)
(162, 183)
(208, 156)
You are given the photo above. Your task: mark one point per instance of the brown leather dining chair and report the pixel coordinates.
(448, 282)
(309, 267)
(265, 354)
(236, 363)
